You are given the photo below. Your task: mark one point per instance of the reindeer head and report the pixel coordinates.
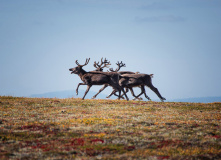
(78, 69)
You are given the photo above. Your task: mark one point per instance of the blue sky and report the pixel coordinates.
(179, 41)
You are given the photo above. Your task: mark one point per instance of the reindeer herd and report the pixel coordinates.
(120, 81)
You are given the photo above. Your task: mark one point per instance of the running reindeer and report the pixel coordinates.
(129, 80)
(142, 80)
(96, 78)
(119, 64)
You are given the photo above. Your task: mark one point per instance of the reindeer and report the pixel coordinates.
(96, 78)
(130, 79)
(119, 64)
(142, 80)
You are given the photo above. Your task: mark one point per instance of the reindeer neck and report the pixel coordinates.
(82, 73)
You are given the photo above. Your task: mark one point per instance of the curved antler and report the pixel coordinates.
(121, 64)
(87, 61)
(112, 70)
(105, 63)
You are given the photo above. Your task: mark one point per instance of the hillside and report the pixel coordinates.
(71, 128)
(71, 94)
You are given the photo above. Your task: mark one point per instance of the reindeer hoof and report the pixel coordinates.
(162, 99)
(148, 98)
(138, 98)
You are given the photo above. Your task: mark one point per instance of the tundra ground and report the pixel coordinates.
(45, 128)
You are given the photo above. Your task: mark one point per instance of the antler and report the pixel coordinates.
(87, 61)
(121, 64)
(105, 63)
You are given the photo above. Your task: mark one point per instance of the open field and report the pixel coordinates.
(43, 128)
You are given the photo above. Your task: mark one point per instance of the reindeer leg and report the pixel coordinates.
(79, 86)
(119, 94)
(113, 92)
(136, 97)
(145, 93)
(124, 93)
(100, 91)
(116, 88)
(122, 85)
(126, 90)
(121, 88)
(88, 88)
(122, 96)
(157, 92)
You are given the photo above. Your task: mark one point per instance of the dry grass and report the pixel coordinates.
(43, 128)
